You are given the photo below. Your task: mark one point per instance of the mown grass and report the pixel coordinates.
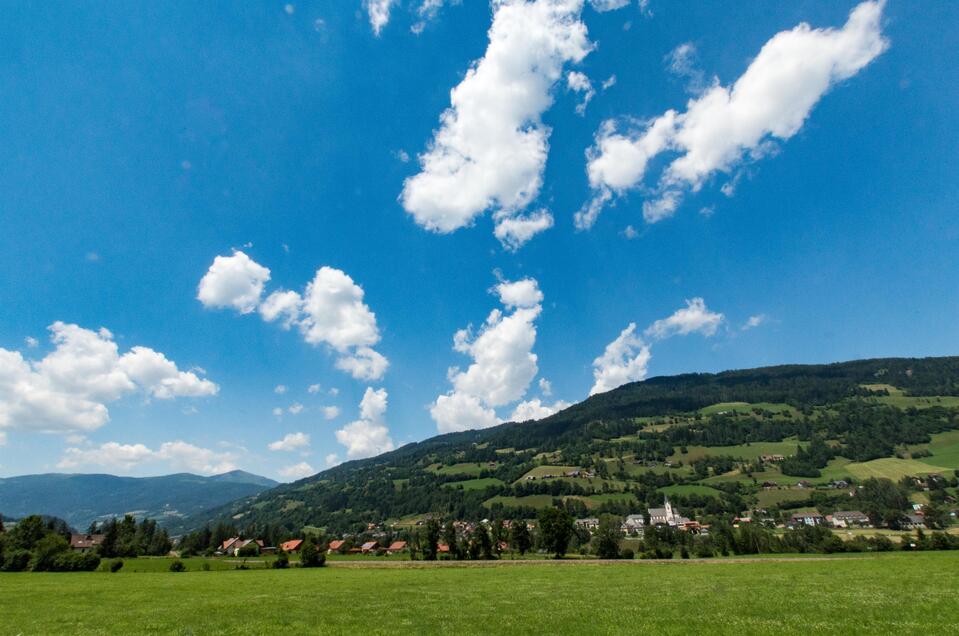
(892, 468)
(467, 468)
(902, 593)
(742, 451)
(475, 484)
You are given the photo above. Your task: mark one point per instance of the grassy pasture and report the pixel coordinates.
(835, 595)
(892, 468)
(690, 489)
(475, 484)
(905, 402)
(746, 407)
(548, 469)
(890, 389)
(469, 469)
(944, 448)
(742, 451)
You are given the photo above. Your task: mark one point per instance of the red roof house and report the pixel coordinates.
(396, 546)
(336, 546)
(291, 546)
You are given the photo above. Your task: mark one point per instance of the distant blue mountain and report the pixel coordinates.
(81, 499)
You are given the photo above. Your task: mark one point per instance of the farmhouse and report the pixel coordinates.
(806, 519)
(336, 546)
(849, 519)
(370, 546)
(291, 546)
(633, 524)
(913, 522)
(591, 523)
(85, 542)
(396, 547)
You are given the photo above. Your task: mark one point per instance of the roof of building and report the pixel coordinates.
(337, 544)
(369, 545)
(85, 540)
(397, 545)
(290, 546)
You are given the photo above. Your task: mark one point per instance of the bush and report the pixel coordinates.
(75, 562)
(46, 552)
(16, 560)
(627, 553)
(116, 565)
(177, 566)
(249, 550)
(205, 567)
(282, 561)
(310, 557)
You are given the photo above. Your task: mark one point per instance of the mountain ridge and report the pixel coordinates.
(864, 406)
(102, 495)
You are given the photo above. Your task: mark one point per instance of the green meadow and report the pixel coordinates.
(901, 592)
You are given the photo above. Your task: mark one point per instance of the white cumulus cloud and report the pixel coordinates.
(69, 388)
(379, 13)
(725, 126)
(490, 149)
(535, 409)
(176, 455)
(694, 317)
(330, 312)
(369, 435)
(626, 359)
(233, 281)
(330, 412)
(503, 361)
(754, 321)
(297, 471)
(579, 83)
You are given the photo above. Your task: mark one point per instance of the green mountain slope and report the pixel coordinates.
(80, 499)
(709, 441)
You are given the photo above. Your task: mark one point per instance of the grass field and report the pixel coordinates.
(742, 451)
(475, 484)
(746, 407)
(863, 595)
(905, 402)
(690, 489)
(468, 469)
(892, 468)
(944, 448)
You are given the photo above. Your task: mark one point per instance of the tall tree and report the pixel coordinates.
(556, 529)
(431, 537)
(607, 537)
(519, 538)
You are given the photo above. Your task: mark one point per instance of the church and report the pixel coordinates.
(666, 516)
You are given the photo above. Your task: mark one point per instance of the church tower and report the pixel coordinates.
(669, 510)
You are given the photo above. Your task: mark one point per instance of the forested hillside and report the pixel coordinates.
(774, 439)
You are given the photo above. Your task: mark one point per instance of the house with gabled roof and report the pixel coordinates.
(292, 545)
(85, 542)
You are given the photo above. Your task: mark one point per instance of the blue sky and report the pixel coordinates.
(141, 142)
